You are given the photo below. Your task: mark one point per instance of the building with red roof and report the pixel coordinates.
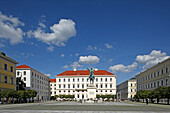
(75, 82)
(34, 80)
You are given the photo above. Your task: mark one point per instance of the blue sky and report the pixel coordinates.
(121, 36)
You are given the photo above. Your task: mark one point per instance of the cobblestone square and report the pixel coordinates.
(76, 107)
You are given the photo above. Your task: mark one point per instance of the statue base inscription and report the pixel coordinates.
(91, 91)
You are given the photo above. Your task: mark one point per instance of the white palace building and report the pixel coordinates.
(34, 80)
(75, 83)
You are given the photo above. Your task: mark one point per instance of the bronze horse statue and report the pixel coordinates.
(91, 75)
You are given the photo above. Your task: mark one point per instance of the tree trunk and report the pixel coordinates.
(168, 101)
(157, 100)
(151, 100)
(143, 100)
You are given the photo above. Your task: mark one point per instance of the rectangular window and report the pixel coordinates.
(131, 90)
(154, 84)
(101, 79)
(78, 80)
(59, 80)
(105, 79)
(110, 79)
(162, 72)
(151, 75)
(131, 84)
(68, 85)
(167, 70)
(96, 79)
(105, 85)
(151, 85)
(97, 85)
(158, 73)
(11, 69)
(82, 79)
(64, 85)
(18, 73)
(59, 86)
(110, 85)
(162, 83)
(64, 79)
(73, 86)
(24, 72)
(24, 78)
(5, 79)
(158, 84)
(166, 82)
(77, 85)
(82, 85)
(11, 80)
(154, 75)
(68, 80)
(73, 80)
(5, 67)
(54, 84)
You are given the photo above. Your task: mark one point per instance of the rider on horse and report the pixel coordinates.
(91, 75)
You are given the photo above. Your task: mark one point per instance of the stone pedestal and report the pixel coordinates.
(91, 91)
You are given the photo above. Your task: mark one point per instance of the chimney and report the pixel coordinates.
(96, 69)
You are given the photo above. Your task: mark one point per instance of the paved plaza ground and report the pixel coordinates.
(76, 107)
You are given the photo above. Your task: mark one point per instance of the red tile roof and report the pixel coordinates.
(27, 67)
(52, 80)
(22, 66)
(84, 72)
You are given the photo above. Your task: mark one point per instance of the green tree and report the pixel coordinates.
(33, 94)
(142, 94)
(167, 94)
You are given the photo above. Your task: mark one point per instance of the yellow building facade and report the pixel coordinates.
(7, 72)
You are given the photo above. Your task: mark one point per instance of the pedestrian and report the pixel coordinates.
(147, 101)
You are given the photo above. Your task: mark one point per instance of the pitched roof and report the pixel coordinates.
(84, 72)
(27, 67)
(23, 66)
(52, 80)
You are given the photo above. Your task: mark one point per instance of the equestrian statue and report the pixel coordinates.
(91, 75)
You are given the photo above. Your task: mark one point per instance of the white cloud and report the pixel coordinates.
(62, 55)
(50, 48)
(77, 54)
(48, 75)
(122, 68)
(91, 48)
(42, 25)
(65, 66)
(108, 46)
(9, 29)
(151, 59)
(75, 65)
(60, 34)
(89, 59)
(26, 55)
